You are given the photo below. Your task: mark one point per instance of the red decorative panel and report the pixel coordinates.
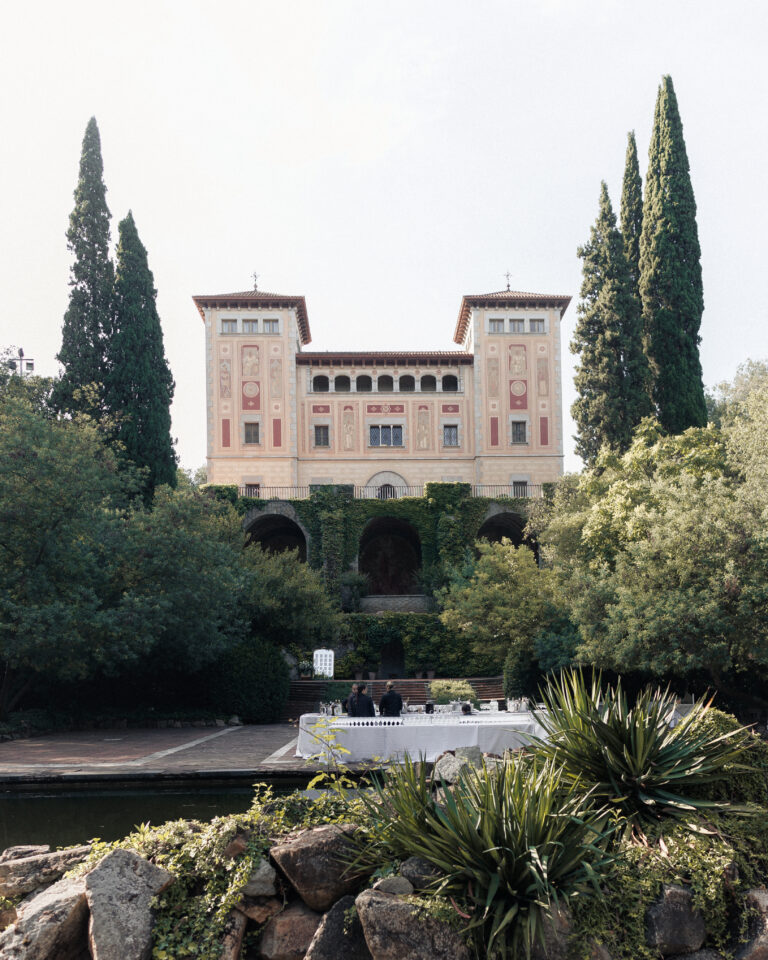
(277, 433)
(544, 431)
(450, 408)
(494, 431)
(518, 394)
(321, 408)
(251, 395)
(385, 408)
(225, 432)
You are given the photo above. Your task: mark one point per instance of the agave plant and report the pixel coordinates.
(632, 756)
(512, 843)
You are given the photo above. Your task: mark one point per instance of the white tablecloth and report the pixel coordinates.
(421, 736)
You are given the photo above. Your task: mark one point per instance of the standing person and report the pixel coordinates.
(391, 703)
(364, 703)
(350, 704)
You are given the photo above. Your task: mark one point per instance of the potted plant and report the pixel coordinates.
(305, 669)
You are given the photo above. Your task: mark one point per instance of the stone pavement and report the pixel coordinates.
(153, 754)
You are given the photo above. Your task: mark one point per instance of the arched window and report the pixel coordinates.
(428, 383)
(386, 492)
(450, 383)
(385, 384)
(341, 384)
(364, 384)
(320, 384)
(407, 384)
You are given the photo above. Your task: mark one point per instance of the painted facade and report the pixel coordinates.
(280, 416)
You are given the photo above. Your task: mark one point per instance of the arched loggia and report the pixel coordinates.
(390, 556)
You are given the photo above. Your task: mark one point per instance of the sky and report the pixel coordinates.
(382, 159)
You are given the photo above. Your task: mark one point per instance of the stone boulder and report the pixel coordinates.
(672, 925)
(756, 947)
(397, 930)
(262, 881)
(420, 873)
(316, 863)
(234, 931)
(259, 909)
(26, 850)
(397, 885)
(53, 924)
(473, 755)
(288, 935)
(340, 935)
(119, 891)
(25, 874)
(448, 768)
(557, 934)
(705, 954)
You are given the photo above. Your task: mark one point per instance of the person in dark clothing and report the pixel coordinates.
(350, 704)
(364, 704)
(391, 703)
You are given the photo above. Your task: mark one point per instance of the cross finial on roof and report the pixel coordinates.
(255, 280)
(507, 275)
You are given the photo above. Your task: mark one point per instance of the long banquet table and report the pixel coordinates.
(422, 736)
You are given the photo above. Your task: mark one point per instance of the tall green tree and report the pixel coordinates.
(139, 385)
(670, 273)
(632, 210)
(611, 379)
(87, 320)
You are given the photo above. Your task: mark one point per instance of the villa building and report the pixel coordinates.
(282, 418)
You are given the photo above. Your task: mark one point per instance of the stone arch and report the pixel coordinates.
(390, 556)
(500, 522)
(277, 528)
(393, 482)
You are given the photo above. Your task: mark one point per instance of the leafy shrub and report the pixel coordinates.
(630, 755)
(511, 843)
(252, 681)
(738, 785)
(446, 691)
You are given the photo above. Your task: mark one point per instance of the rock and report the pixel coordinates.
(419, 872)
(27, 850)
(705, 954)
(262, 881)
(473, 755)
(234, 721)
(259, 909)
(119, 891)
(316, 863)
(52, 924)
(236, 846)
(288, 935)
(448, 768)
(25, 874)
(234, 931)
(7, 917)
(557, 934)
(672, 925)
(756, 947)
(340, 935)
(397, 885)
(396, 930)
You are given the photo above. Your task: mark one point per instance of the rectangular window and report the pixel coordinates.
(519, 431)
(519, 488)
(271, 326)
(383, 435)
(496, 326)
(250, 326)
(450, 435)
(229, 326)
(517, 326)
(537, 326)
(322, 436)
(252, 489)
(252, 433)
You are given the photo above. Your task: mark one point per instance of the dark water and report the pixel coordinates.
(67, 818)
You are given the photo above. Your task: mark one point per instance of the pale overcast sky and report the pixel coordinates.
(383, 159)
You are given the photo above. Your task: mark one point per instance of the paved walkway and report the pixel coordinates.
(150, 754)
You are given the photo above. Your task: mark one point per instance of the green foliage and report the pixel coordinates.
(628, 755)
(504, 601)
(511, 844)
(139, 386)
(726, 402)
(448, 691)
(87, 322)
(670, 273)
(612, 376)
(251, 680)
(353, 586)
(632, 211)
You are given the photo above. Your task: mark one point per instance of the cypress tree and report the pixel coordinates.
(139, 386)
(611, 379)
(632, 210)
(670, 273)
(87, 319)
